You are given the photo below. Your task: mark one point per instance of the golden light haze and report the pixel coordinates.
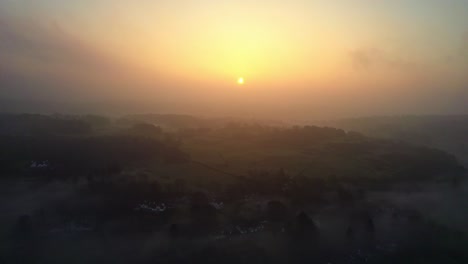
(298, 58)
(265, 44)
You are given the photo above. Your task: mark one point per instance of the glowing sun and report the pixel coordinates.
(240, 81)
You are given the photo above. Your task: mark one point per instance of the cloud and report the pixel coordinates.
(42, 60)
(373, 58)
(363, 59)
(47, 43)
(464, 45)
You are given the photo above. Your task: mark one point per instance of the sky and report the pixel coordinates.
(299, 59)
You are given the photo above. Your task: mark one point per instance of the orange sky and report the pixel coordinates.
(340, 58)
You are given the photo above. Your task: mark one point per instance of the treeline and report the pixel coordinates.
(80, 144)
(35, 124)
(72, 155)
(449, 133)
(335, 152)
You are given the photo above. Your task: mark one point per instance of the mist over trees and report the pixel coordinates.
(187, 189)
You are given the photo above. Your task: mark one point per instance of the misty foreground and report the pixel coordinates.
(177, 189)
